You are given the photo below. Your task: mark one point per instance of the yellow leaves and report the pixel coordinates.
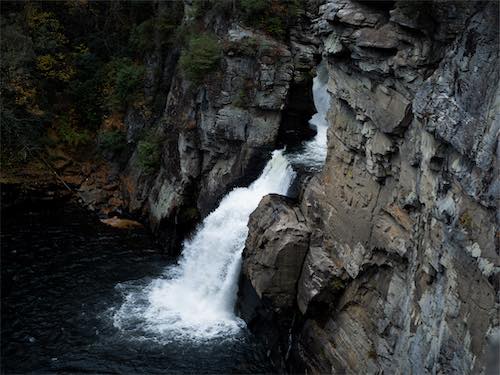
(77, 3)
(44, 26)
(55, 67)
(36, 17)
(82, 49)
(35, 110)
(107, 88)
(25, 95)
(46, 63)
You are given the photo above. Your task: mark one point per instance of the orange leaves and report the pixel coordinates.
(114, 121)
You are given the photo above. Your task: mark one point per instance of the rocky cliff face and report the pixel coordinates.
(217, 134)
(398, 233)
(213, 135)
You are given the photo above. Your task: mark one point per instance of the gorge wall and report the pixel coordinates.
(388, 262)
(214, 134)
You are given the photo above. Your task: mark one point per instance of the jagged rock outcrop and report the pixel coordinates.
(401, 274)
(273, 258)
(220, 133)
(275, 250)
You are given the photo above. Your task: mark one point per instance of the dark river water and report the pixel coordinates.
(60, 268)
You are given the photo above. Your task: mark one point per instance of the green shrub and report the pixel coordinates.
(124, 79)
(248, 46)
(182, 34)
(275, 26)
(202, 57)
(128, 80)
(142, 36)
(113, 140)
(253, 7)
(148, 155)
(271, 16)
(201, 8)
(73, 136)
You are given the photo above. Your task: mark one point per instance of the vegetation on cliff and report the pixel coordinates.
(68, 66)
(70, 70)
(201, 57)
(272, 16)
(148, 155)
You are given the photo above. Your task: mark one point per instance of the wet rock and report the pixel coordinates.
(272, 262)
(275, 250)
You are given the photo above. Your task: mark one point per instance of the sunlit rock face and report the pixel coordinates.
(402, 266)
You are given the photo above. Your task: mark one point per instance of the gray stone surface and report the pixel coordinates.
(389, 262)
(275, 250)
(401, 274)
(215, 135)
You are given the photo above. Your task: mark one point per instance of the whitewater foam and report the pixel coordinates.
(312, 154)
(195, 298)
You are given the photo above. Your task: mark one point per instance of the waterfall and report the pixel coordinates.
(312, 155)
(195, 298)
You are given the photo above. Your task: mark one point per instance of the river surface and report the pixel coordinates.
(61, 275)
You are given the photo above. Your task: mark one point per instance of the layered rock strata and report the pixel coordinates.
(218, 134)
(401, 271)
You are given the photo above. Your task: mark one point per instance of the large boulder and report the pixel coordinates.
(275, 249)
(272, 262)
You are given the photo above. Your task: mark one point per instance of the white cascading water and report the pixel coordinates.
(195, 298)
(313, 153)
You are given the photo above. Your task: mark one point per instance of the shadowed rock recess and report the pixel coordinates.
(388, 262)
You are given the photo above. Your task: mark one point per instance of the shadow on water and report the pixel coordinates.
(60, 269)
